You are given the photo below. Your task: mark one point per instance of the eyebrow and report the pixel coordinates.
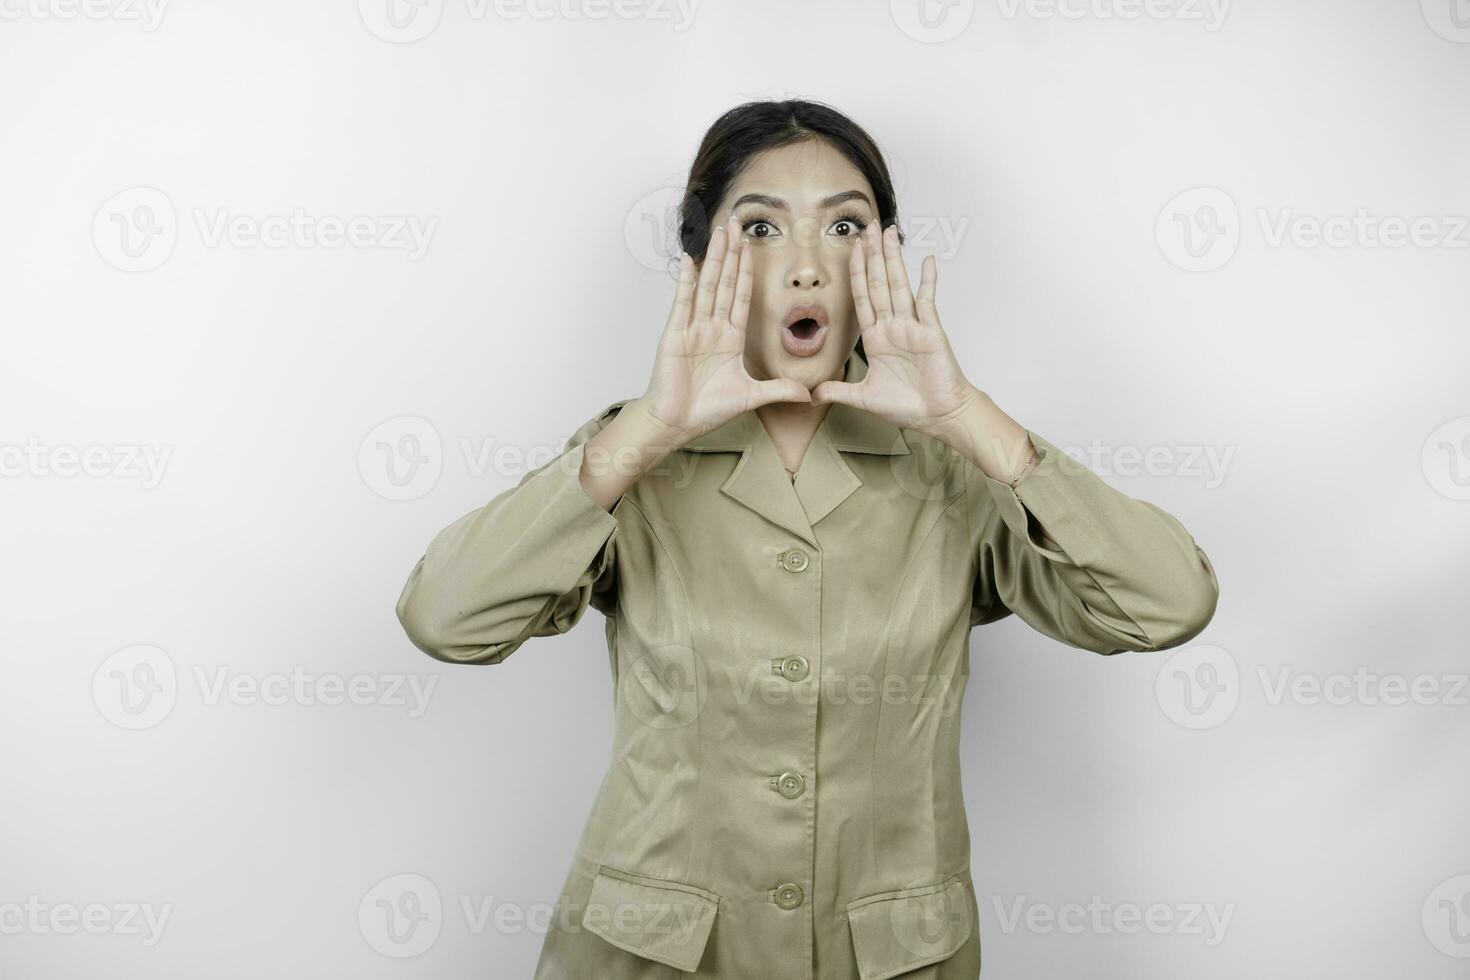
(776, 202)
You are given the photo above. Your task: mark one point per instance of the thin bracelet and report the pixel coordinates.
(1022, 473)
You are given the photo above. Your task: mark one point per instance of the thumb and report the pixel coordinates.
(779, 390)
(830, 392)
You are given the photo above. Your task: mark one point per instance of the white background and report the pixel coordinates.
(1052, 143)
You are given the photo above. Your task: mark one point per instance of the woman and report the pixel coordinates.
(791, 533)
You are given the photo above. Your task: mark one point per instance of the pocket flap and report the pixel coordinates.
(661, 920)
(898, 931)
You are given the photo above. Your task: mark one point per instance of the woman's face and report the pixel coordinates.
(801, 206)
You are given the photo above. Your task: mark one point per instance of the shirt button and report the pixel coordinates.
(789, 784)
(792, 668)
(794, 560)
(788, 895)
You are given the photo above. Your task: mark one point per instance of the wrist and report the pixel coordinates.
(651, 430)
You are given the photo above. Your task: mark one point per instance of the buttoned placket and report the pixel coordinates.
(795, 505)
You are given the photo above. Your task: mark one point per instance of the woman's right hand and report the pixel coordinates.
(699, 379)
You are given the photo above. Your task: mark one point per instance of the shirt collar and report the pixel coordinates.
(825, 479)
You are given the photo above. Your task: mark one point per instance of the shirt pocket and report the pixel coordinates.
(897, 931)
(659, 919)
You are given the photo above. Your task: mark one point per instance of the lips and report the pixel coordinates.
(805, 329)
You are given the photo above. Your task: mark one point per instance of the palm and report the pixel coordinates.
(913, 379)
(699, 379)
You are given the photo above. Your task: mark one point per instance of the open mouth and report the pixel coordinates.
(805, 329)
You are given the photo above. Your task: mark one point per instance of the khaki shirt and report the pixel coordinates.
(784, 798)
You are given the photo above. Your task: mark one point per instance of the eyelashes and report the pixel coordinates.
(753, 220)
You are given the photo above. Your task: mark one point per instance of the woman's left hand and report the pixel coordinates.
(913, 379)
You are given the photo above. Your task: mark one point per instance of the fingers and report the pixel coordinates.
(779, 390)
(729, 269)
(899, 291)
(683, 294)
(928, 280)
(877, 274)
(709, 275)
(836, 392)
(857, 273)
(744, 289)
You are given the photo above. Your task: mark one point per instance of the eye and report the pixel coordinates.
(849, 225)
(758, 226)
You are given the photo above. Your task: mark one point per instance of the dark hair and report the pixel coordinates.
(748, 129)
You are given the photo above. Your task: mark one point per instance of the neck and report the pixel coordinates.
(791, 426)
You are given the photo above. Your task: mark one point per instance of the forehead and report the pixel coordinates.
(801, 173)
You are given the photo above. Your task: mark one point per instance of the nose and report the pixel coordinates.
(805, 275)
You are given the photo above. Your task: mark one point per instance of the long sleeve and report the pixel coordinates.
(1085, 563)
(526, 564)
